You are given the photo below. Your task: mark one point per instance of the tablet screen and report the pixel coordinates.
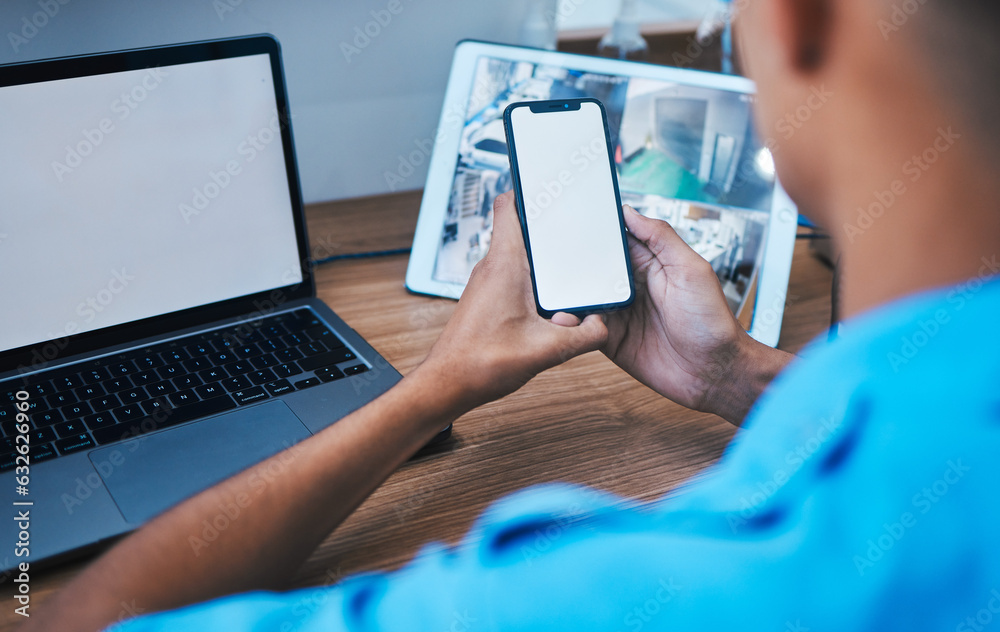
(685, 154)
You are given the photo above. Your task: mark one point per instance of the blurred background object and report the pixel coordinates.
(624, 41)
(366, 78)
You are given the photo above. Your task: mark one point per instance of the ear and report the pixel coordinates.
(805, 28)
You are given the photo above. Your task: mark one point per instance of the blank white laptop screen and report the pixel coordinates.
(134, 194)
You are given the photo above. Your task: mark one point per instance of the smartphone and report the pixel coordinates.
(566, 192)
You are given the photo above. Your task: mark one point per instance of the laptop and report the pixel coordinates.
(160, 330)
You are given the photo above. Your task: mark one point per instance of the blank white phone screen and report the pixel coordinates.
(574, 230)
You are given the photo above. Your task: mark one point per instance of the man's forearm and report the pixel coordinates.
(308, 490)
(753, 368)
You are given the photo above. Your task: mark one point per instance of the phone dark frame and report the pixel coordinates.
(554, 107)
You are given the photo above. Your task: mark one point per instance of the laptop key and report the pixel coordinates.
(122, 368)
(127, 412)
(183, 398)
(41, 435)
(75, 443)
(214, 374)
(174, 355)
(75, 411)
(8, 461)
(156, 406)
(99, 420)
(172, 417)
(287, 370)
(236, 383)
(171, 371)
(40, 389)
(42, 452)
(206, 391)
(356, 369)
(312, 348)
(106, 402)
(246, 351)
(326, 359)
(279, 387)
(143, 378)
(68, 382)
(133, 396)
(88, 392)
(250, 395)
(239, 368)
(264, 361)
(94, 376)
(329, 374)
(260, 377)
(46, 418)
(199, 349)
(197, 364)
(222, 357)
(70, 428)
(58, 400)
(186, 381)
(288, 355)
(161, 389)
(118, 384)
(270, 346)
(148, 361)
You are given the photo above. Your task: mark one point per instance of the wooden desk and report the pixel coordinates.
(585, 422)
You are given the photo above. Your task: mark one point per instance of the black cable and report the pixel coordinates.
(362, 255)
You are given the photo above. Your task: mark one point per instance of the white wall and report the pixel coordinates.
(354, 115)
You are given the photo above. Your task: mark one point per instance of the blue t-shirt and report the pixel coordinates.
(862, 493)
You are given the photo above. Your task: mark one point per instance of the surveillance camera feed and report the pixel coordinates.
(684, 154)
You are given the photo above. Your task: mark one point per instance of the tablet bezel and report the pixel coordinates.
(779, 246)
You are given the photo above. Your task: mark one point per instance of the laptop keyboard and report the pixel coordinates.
(117, 397)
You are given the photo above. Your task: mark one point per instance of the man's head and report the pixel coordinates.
(892, 72)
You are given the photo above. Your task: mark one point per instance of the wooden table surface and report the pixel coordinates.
(584, 422)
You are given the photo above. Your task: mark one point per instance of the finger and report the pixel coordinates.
(565, 320)
(592, 333)
(506, 226)
(657, 235)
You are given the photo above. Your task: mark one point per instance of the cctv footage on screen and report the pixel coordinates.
(684, 154)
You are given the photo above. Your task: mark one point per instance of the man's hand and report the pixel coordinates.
(496, 341)
(679, 337)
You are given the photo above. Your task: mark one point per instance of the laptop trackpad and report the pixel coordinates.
(151, 473)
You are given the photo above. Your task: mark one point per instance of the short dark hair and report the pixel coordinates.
(960, 41)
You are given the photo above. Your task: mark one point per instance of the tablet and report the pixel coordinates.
(685, 151)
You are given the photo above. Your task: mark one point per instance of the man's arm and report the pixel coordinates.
(493, 344)
(310, 489)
